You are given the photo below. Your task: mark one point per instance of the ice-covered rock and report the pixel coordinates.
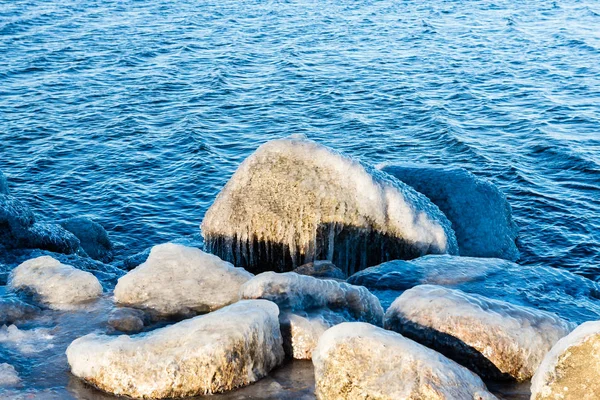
(13, 309)
(55, 284)
(571, 296)
(493, 338)
(92, 236)
(15, 219)
(216, 352)
(47, 236)
(571, 370)
(360, 361)
(294, 201)
(128, 320)
(8, 374)
(321, 269)
(26, 341)
(479, 212)
(180, 280)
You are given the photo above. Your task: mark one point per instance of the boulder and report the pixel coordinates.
(478, 210)
(56, 285)
(495, 339)
(128, 320)
(220, 351)
(360, 361)
(8, 374)
(571, 370)
(294, 201)
(47, 236)
(180, 280)
(15, 219)
(321, 269)
(92, 236)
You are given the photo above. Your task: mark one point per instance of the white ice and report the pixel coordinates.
(8, 374)
(26, 341)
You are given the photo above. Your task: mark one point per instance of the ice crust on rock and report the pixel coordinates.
(216, 352)
(571, 296)
(480, 214)
(321, 269)
(8, 374)
(26, 341)
(294, 201)
(358, 361)
(493, 338)
(54, 284)
(180, 280)
(92, 236)
(571, 369)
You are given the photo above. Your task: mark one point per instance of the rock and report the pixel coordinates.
(13, 309)
(294, 201)
(56, 285)
(321, 269)
(8, 374)
(360, 361)
(3, 184)
(51, 237)
(92, 236)
(179, 280)
(495, 339)
(223, 350)
(133, 261)
(15, 218)
(128, 320)
(571, 296)
(478, 210)
(570, 371)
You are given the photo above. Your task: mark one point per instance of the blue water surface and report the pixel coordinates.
(136, 113)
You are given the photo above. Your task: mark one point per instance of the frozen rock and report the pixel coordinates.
(495, 339)
(8, 374)
(92, 236)
(212, 353)
(128, 320)
(571, 370)
(26, 341)
(360, 361)
(179, 280)
(3, 184)
(13, 309)
(57, 285)
(321, 269)
(571, 296)
(294, 201)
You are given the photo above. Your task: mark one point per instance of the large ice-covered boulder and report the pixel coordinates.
(294, 201)
(571, 370)
(180, 280)
(571, 296)
(479, 212)
(92, 236)
(361, 361)
(493, 338)
(56, 285)
(216, 352)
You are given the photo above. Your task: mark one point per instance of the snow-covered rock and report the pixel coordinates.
(479, 212)
(13, 309)
(57, 285)
(92, 236)
(571, 296)
(128, 320)
(360, 361)
(180, 280)
(493, 338)
(294, 201)
(8, 374)
(321, 269)
(571, 370)
(216, 352)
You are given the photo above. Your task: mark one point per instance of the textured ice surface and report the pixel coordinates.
(48, 236)
(479, 212)
(56, 285)
(26, 341)
(294, 201)
(180, 280)
(321, 269)
(571, 370)
(92, 236)
(216, 352)
(494, 338)
(12, 308)
(571, 296)
(359, 361)
(8, 374)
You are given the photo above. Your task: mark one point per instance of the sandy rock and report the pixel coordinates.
(360, 361)
(321, 269)
(212, 353)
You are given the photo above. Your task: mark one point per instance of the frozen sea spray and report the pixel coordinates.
(294, 201)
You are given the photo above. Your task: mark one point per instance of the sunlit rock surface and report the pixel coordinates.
(8, 374)
(571, 296)
(479, 212)
(56, 285)
(321, 269)
(180, 280)
(571, 370)
(294, 201)
(216, 352)
(92, 236)
(361, 361)
(495, 339)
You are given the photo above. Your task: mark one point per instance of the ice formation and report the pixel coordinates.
(321, 269)
(26, 341)
(493, 338)
(180, 280)
(359, 361)
(294, 201)
(8, 374)
(57, 285)
(571, 296)
(12, 309)
(92, 236)
(570, 371)
(216, 352)
(480, 215)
